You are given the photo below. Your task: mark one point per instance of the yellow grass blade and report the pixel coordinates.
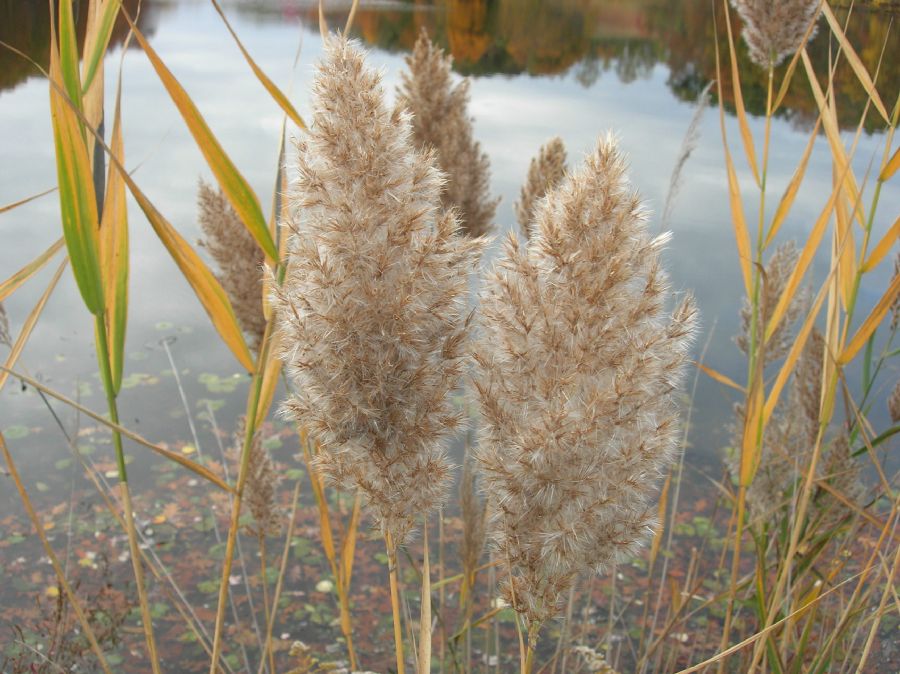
(754, 422)
(207, 288)
(78, 204)
(861, 73)
(270, 86)
(196, 468)
(425, 616)
(9, 286)
(114, 252)
(22, 202)
(661, 518)
(323, 23)
(891, 167)
(57, 567)
(833, 134)
(271, 372)
(95, 44)
(315, 481)
(844, 246)
(233, 184)
(790, 193)
(348, 547)
(803, 262)
(30, 322)
(350, 17)
(796, 349)
(873, 320)
(882, 248)
(741, 234)
(746, 135)
(719, 377)
(792, 66)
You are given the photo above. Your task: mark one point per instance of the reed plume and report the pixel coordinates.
(238, 257)
(262, 483)
(372, 314)
(775, 278)
(545, 172)
(440, 120)
(774, 29)
(576, 370)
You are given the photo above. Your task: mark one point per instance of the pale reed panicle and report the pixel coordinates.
(775, 278)
(373, 322)
(238, 258)
(440, 119)
(577, 365)
(260, 490)
(545, 172)
(774, 29)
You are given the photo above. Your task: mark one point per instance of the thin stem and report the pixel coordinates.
(266, 606)
(395, 601)
(134, 550)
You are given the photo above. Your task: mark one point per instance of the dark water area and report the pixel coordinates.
(573, 68)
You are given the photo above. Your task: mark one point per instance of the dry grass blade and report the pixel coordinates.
(57, 567)
(30, 322)
(882, 248)
(235, 186)
(746, 135)
(264, 79)
(886, 173)
(833, 134)
(790, 193)
(350, 17)
(22, 202)
(197, 469)
(759, 635)
(792, 66)
(738, 221)
(9, 286)
(873, 320)
(853, 59)
(719, 377)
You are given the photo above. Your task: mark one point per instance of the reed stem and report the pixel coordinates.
(395, 601)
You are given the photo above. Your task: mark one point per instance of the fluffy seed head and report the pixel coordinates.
(372, 314)
(440, 119)
(894, 403)
(774, 29)
(577, 366)
(238, 257)
(545, 172)
(262, 484)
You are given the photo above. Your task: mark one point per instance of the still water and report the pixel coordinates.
(574, 68)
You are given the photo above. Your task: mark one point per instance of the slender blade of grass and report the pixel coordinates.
(66, 50)
(30, 322)
(10, 285)
(873, 320)
(891, 167)
(792, 66)
(22, 202)
(233, 184)
(746, 135)
(845, 247)
(114, 252)
(264, 79)
(98, 40)
(882, 248)
(790, 193)
(719, 377)
(739, 223)
(853, 59)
